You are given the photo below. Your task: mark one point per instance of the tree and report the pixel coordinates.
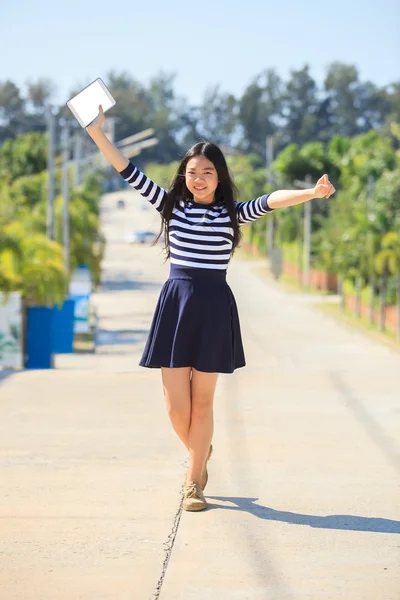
(40, 94)
(163, 118)
(372, 105)
(260, 109)
(388, 261)
(132, 108)
(355, 107)
(341, 84)
(33, 265)
(12, 110)
(26, 255)
(300, 108)
(249, 175)
(24, 155)
(392, 95)
(218, 117)
(43, 278)
(294, 163)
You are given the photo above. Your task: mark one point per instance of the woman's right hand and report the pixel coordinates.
(97, 124)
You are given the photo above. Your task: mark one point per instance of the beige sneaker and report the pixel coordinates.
(205, 472)
(193, 498)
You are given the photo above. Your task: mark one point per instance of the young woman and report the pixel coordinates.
(195, 333)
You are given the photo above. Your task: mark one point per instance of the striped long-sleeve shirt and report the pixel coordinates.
(200, 235)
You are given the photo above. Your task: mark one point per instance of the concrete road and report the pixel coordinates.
(304, 483)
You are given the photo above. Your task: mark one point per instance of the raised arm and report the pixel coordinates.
(112, 154)
(131, 174)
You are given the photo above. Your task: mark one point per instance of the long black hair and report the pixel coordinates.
(226, 192)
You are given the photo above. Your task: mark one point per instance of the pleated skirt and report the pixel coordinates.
(195, 324)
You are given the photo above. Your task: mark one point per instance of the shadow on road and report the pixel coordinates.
(118, 337)
(116, 285)
(375, 431)
(339, 522)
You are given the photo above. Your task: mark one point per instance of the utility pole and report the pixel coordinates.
(50, 170)
(78, 157)
(307, 236)
(305, 185)
(109, 131)
(270, 219)
(109, 128)
(370, 216)
(65, 191)
(136, 137)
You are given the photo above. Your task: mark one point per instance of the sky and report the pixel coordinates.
(202, 42)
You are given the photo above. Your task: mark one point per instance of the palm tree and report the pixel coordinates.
(350, 260)
(387, 262)
(44, 279)
(32, 264)
(9, 251)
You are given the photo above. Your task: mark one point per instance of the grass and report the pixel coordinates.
(346, 316)
(362, 324)
(84, 342)
(289, 282)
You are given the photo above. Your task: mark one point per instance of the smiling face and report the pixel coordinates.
(201, 179)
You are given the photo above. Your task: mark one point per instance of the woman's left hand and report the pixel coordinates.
(324, 188)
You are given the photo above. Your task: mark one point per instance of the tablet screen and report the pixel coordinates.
(85, 105)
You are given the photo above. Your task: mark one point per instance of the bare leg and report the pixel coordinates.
(201, 423)
(176, 384)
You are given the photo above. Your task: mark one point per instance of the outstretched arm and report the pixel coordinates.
(252, 209)
(282, 198)
(112, 154)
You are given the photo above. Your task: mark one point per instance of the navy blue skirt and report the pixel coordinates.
(195, 324)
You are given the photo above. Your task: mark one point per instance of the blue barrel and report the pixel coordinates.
(39, 337)
(63, 328)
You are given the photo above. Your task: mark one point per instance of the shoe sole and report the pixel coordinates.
(195, 508)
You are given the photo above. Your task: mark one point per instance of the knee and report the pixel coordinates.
(202, 407)
(176, 412)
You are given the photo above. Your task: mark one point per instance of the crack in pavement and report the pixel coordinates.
(168, 547)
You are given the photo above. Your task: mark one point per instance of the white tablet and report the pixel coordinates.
(85, 105)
